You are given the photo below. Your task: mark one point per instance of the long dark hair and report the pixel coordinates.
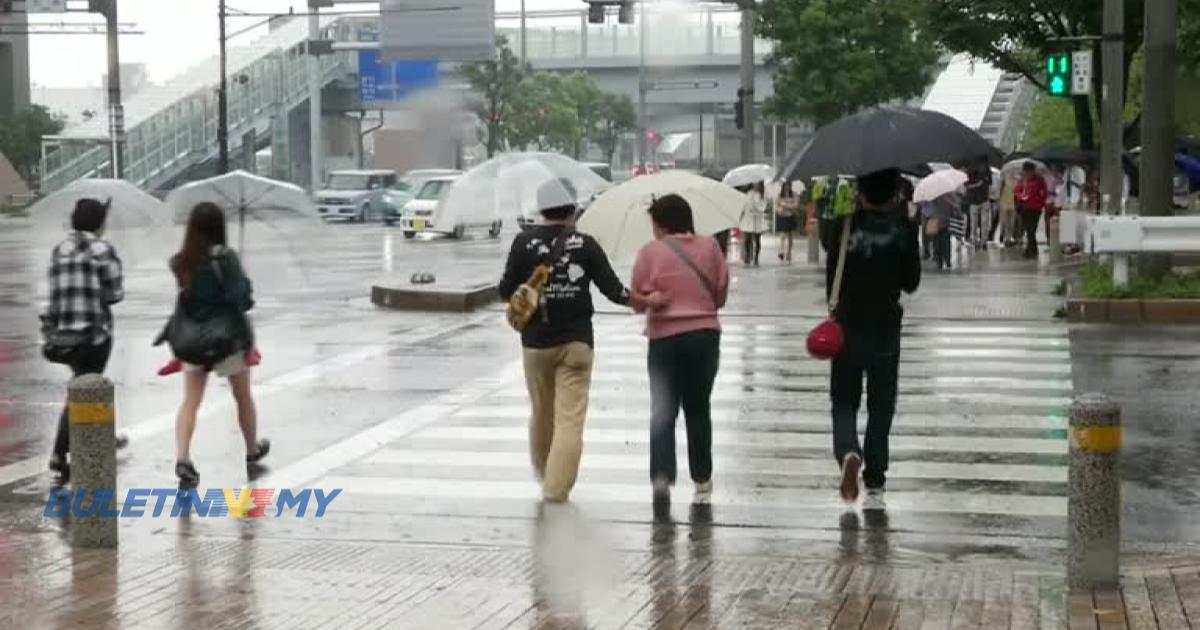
(205, 229)
(785, 191)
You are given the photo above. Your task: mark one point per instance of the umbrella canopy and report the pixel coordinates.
(938, 184)
(506, 187)
(619, 222)
(130, 207)
(887, 137)
(1014, 167)
(748, 175)
(1064, 154)
(240, 194)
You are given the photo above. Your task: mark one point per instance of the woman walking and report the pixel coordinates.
(753, 224)
(788, 208)
(213, 284)
(690, 276)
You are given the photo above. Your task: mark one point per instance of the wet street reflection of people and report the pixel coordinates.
(567, 562)
(865, 537)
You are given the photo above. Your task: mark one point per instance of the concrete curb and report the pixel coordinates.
(1085, 310)
(459, 299)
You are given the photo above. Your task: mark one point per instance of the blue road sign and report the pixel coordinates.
(389, 82)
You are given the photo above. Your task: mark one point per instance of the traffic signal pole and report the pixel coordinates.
(1158, 122)
(643, 141)
(222, 99)
(1112, 189)
(116, 111)
(747, 74)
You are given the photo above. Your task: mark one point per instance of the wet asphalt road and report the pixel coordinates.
(419, 419)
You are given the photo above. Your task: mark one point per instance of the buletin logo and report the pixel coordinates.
(180, 502)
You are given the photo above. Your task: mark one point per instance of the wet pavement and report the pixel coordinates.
(420, 419)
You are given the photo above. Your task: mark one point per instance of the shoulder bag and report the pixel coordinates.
(203, 342)
(530, 297)
(827, 340)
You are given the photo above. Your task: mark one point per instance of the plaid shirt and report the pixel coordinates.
(85, 280)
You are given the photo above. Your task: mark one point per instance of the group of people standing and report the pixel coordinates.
(680, 282)
(783, 210)
(86, 280)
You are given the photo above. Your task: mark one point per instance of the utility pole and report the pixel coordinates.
(1158, 121)
(116, 112)
(222, 99)
(524, 39)
(643, 142)
(1112, 188)
(747, 72)
(315, 140)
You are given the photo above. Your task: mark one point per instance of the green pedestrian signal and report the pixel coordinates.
(1058, 74)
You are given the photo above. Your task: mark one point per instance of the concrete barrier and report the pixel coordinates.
(1094, 500)
(92, 417)
(434, 297)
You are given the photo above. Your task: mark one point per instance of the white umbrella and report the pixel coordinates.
(1014, 167)
(506, 187)
(244, 196)
(130, 206)
(619, 221)
(938, 184)
(748, 175)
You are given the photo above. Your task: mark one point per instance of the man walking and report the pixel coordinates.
(979, 184)
(558, 340)
(882, 259)
(85, 280)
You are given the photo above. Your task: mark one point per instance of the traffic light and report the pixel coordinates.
(595, 13)
(625, 13)
(739, 110)
(1058, 74)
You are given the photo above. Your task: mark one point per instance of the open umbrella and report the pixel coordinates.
(136, 223)
(887, 137)
(938, 184)
(245, 196)
(748, 175)
(619, 222)
(506, 186)
(1014, 167)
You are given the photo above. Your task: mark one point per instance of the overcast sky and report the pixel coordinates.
(178, 33)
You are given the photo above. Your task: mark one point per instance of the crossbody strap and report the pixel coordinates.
(677, 247)
(836, 292)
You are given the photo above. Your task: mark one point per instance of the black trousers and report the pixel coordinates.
(91, 360)
(751, 247)
(682, 370)
(1029, 220)
(874, 352)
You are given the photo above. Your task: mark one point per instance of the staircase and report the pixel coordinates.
(1007, 115)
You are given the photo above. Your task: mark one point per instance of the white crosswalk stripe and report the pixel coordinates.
(980, 432)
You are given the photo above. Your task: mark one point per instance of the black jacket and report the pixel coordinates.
(569, 310)
(883, 260)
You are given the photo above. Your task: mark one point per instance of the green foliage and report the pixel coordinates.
(614, 118)
(21, 138)
(834, 57)
(497, 83)
(544, 114)
(1097, 283)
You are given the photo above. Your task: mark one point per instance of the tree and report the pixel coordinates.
(544, 115)
(1017, 35)
(21, 138)
(589, 101)
(497, 84)
(615, 117)
(834, 57)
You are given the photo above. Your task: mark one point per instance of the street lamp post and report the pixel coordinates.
(643, 141)
(1113, 98)
(116, 112)
(222, 100)
(747, 78)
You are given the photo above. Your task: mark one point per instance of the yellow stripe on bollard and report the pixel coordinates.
(90, 413)
(1096, 439)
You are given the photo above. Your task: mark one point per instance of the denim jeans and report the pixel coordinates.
(682, 370)
(872, 351)
(91, 360)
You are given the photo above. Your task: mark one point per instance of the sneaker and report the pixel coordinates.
(703, 492)
(60, 466)
(662, 489)
(874, 499)
(187, 473)
(264, 447)
(851, 466)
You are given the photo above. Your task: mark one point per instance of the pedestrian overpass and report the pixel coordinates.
(692, 64)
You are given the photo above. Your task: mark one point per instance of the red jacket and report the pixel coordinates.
(1031, 193)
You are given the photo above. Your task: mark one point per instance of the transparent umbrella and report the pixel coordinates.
(506, 187)
(748, 175)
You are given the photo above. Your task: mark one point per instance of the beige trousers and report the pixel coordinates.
(558, 379)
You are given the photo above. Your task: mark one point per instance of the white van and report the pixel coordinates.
(418, 215)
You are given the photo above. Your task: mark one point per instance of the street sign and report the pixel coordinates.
(1081, 72)
(445, 30)
(380, 82)
(45, 6)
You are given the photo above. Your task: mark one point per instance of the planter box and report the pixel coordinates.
(1134, 311)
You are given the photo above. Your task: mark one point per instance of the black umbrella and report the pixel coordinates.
(887, 137)
(1064, 154)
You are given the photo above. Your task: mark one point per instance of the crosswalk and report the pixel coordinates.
(979, 445)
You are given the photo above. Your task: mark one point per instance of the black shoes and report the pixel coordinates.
(187, 473)
(264, 447)
(60, 466)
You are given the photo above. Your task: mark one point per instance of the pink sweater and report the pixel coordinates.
(689, 304)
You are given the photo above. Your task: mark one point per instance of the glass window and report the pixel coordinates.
(348, 181)
(434, 189)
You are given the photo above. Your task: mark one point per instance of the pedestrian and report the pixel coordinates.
(691, 275)
(1031, 194)
(1009, 220)
(1056, 198)
(213, 286)
(882, 260)
(558, 340)
(937, 216)
(788, 208)
(753, 224)
(994, 205)
(979, 182)
(85, 281)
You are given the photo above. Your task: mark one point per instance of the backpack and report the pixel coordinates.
(530, 297)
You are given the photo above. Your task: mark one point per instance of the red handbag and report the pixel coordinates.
(827, 341)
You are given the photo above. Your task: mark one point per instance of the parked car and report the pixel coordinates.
(419, 214)
(602, 169)
(355, 195)
(396, 198)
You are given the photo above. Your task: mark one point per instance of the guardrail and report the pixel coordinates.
(1128, 234)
